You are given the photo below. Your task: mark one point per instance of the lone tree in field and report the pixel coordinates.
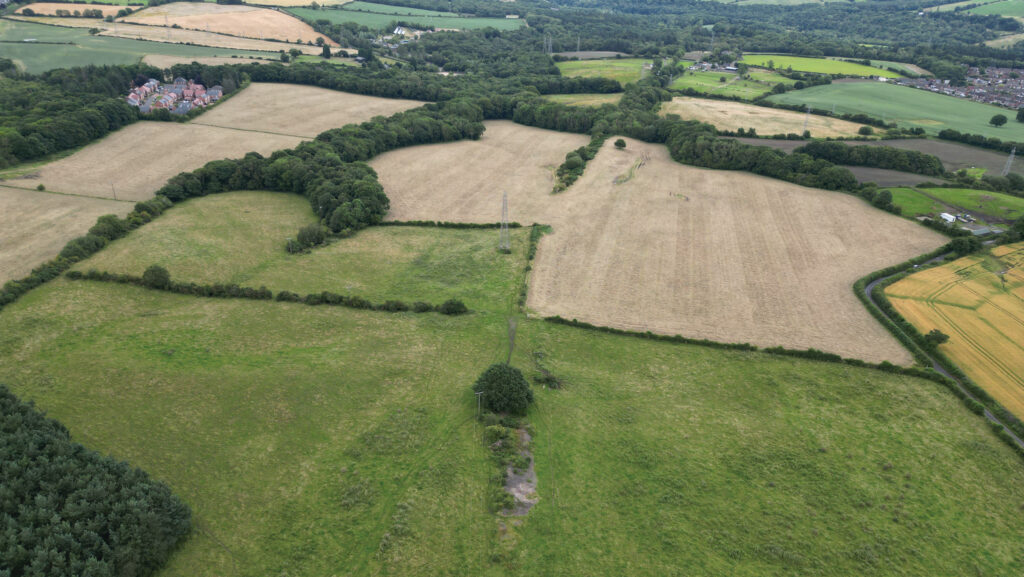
(156, 277)
(504, 389)
(865, 131)
(998, 120)
(620, 144)
(1020, 115)
(935, 337)
(326, 53)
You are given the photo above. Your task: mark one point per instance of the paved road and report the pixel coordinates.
(935, 364)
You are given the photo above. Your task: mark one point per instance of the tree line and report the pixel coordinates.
(875, 156)
(67, 510)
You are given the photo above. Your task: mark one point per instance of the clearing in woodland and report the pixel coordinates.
(643, 243)
(310, 438)
(728, 115)
(978, 301)
(135, 161)
(233, 19)
(35, 225)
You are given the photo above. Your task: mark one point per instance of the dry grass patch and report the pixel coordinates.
(172, 35)
(166, 61)
(34, 226)
(236, 20)
(137, 160)
(672, 249)
(732, 116)
(51, 8)
(979, 302)
(303, 111)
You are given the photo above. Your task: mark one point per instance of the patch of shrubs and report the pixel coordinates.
(67, 510)
(576, 161)
(504, 390)
(446, 224)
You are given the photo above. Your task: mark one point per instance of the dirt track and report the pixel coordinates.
(674, 249)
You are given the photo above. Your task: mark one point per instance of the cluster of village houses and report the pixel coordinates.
(179, 97)
(999, 86)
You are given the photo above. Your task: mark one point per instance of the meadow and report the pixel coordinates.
(978, 301)
(624, 70)
(818, 65)
(57, 47)
(311, 438)
(982, 204)
(909, 107)
(732, 116)
(585, 99)
(1008, 8)
(384, 20)
(643, 243)
(711, 83)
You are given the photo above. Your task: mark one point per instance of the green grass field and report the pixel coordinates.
(316, 440)
(909, 107)
(925, 201)
(385, 9)
(912, 203)
(56, 47)
(1008, 8)
(585, 99)
(819, 65)
(624, 70)
(711, 83)
(382, 21)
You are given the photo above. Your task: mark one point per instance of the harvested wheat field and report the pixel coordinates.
(174, 35)
(166, 61)
(34, 226)
(641, 242)
(303, 111)
(233, 19)
(978, 301)
(51, 8)
(727, 115)
(138, 159)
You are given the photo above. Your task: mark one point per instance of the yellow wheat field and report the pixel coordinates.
(728, 115)
(979, 302)
(233, 19)
(641, 242)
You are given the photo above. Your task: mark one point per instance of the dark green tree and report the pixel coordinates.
(865, 131)
(620, 144)
(156, 277)
(504, 389)
(1020, 115)
(326, 52)
(935, 337)
(998, 120)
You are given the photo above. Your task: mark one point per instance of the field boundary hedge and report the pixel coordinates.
(450, 307)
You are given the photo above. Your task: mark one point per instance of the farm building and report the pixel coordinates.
(948, 217)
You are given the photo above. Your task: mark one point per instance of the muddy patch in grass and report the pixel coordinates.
(520, 480)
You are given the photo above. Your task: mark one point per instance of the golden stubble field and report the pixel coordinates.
(978, 301)
(641, 242)
(35, 225)
(728, 115)
(135, 161)
(174, 36)
(303, 111)
(233, 19)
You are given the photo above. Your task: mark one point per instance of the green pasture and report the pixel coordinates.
(585, 99)
(913, 203)
(57, 47)
(624, 70)
(386, 9)
(316, 441)
(979, 203)
(1008, 8)
(909, 107)
(711, 83)
(382, 21)
(818, 65)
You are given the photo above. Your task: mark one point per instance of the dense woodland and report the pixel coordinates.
(66, 510)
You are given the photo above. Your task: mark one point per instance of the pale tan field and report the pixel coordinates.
(174, 35)
(983, 316)
(53, 7)
(303, 111)
(165, 61)
(672, 249)
(34, 226)
(236, 20)
(138, 159)
(297, 2)
(728, 115)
